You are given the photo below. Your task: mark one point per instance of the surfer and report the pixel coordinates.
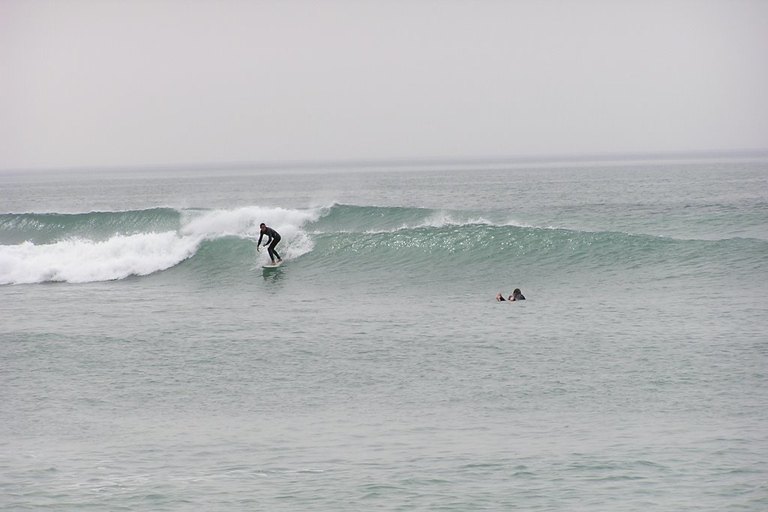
(274, 238)
(516, 295)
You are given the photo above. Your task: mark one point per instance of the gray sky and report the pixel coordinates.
(120, 83)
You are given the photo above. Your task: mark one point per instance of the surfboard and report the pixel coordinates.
(269, 266)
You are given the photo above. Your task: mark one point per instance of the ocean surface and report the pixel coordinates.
(149, 362)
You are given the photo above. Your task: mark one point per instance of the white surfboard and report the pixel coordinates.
(270, 265)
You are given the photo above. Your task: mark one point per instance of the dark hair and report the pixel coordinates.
(262, 225)
(516, 291)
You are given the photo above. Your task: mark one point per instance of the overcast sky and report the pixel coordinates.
(120, 83)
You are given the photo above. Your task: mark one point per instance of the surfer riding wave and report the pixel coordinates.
(273, 239)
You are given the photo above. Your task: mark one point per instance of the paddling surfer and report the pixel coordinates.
(516, 295)
(273, 239)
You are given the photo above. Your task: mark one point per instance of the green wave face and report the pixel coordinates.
(412, 245)
(45, 228)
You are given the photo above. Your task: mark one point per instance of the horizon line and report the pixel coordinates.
(343, 163)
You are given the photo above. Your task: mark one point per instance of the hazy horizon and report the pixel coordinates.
(171, 83)
(422, 162)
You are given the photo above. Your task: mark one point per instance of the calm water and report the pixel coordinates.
(149, 363)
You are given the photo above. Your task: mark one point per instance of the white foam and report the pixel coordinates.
(82, 261)
(245, 221)
(516, 224)
(443, 219)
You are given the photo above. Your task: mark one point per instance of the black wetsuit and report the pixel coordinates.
(274, 238)
(518, 296)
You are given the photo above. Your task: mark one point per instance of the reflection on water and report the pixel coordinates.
(272, 274)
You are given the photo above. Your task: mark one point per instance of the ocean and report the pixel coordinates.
(150, 363)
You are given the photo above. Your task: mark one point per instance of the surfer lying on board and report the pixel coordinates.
(274, 238)
(516, 295)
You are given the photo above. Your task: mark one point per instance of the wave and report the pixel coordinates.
(557, 248)
(80, 261)
(44, 228)
(380, 219)
(101, 246)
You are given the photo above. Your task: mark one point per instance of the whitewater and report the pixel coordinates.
(150, 363)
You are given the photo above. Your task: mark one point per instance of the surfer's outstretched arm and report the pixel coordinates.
(261, 235)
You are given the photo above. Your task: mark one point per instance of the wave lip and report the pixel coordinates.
(344, 218)
(245, 221)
